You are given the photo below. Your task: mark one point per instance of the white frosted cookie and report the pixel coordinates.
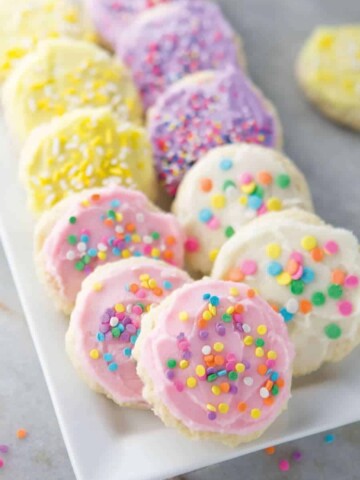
(229, 187)
(84, 149)
(61, 76)
(328, 69)
(23, 23)
(307, 270)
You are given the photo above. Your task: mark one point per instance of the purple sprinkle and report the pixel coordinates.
(125, 336)
(233, 389)
(297, 456)
(131, 328)
(203, 334)
(211, 415)
(239, 327)
(126, 321)
(105, 318)
(4, 448)
(170, 374)
(186, 355)
(220, 329)
(210, 370)
(247, 364)
(180, 336)
(110, 312)
(87, 269)
(104, 327)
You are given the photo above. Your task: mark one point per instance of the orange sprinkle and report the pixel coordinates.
(338, 277)
(21, 433)
(134, 288)
(274, 307)
(270, 450)
(225, 387)
(262, 369)
(95, 197)
(251, 293)
(305, 306)
(280, 382)
(168, 255)
(206, 184)
(265, 178)
(109, 222)
(170, 240)
(202, 323)
(239, 308)
(292, 266)
(208, 358)
(130, 227)
(235, 275)
(157, 291)
(317, 254)
(269, 384)
(219, 360)
(241, 406)
(268, 401)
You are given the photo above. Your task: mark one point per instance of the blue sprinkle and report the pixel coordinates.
(133, 339)
(274, 376)
(205, 215)
(84, 238)
(92, 252)
(127, 238)
(214, 301)
(274, 269)
(329, 438)
(221, 373)
(121, 327)
(226, 164)
(116, 251)
(137, 253)
(100, 337)
(254, 202)
(113, 367)
(115, 203)
(107, 357)
(308, 275)
(206, 296)
(127, 352)
(167, 285)
(286, 315)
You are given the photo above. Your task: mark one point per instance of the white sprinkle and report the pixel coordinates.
(246, 328)
(81, 246)
(264, 392)
(206, 350)
(292, 305)
(140, 217)
(119, 229)
(129, 308)
(70, 255)
(114, 321)
(248, 381)
(89, 170)
(147, 239)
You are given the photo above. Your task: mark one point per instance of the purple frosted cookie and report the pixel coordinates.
(203, 111)
(111, 17)
(166, 43)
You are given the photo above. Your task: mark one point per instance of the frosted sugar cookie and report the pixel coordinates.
(99, 226)
(203, 111)
(177, 39)
(83, 149)
(24, 22)
(309, 272)
(328, 70)
(216, 361)
(227, 188)
(64, 75)
(106, 322)
(112, 17)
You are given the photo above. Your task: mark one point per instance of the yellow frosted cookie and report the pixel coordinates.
(328, 69)
(63, 75)
(24, 22)
(84, 149)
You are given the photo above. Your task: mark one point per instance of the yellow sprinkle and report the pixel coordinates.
(218, 347)
(102, 255)
(152, 283)
(223, 407)
(274, 204)
(155, 252)
(248, 188)
(255, 413)
(211, 407)
(248, 340)
(119, 308)
(234, 292)
(136, 238)
(240, 367)
(216, 390)
(284, 278)
(308, 242)
(262, 329)
(200, 370)
(191, 382)
(207, 315)
(144, 276)
(272, 355)
(183, 364)
(273, 250)
(325, 41)
(243, 200)
(230, 310)
(97, 286)
(94, 354)
(218, 201)
(212, 309)
(126, 253)
(183, 316)
(259, 352)
(213, 254)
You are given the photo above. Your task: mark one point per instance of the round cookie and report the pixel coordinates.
(203, 111)
(24, 23)
(174, 40)
(227, 188)
(111, 17)
(215, 361)
(99, 226)
(328, 69)
(106, 322)
(83, 149)
(307, 270)
(61, 76)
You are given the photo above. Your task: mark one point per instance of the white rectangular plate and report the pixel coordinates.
(106, 442)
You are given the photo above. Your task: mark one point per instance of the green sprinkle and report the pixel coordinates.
(155, 235)
(259, 191)
(72, 220)
(275, 390)
(228, 184)
(171, 363)
(86, 259)
(116, 332)
(79, 265)
(318, 299)
(297, 287)
(335, 291)
(229, 232)
(332, 331)
(283, 180)
(212, 377)
(72, 239)
(226, 317)
(233, 376)
(111, 214)
(259, 342)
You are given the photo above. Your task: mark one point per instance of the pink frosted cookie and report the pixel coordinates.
(112, 17)
(106, 322)
(203, 111)
(99, 226)
(174, 40)
(216, 361)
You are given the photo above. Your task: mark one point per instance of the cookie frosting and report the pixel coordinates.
(106, 322)
(218, 357)
(175, 40)
(101, 226)
(204, 111)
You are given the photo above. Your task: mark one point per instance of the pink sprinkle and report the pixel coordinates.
(345, 308)
(230, 357)
(297, 275)
(263, 209)
(214, 223)
(183, 345)
(191, 244)
(270, 363)
(1, 462)
(147, 249)
(249, 267)
(141, 293)
(284, 465)
(230, 366)
(179, 385)
(238, 317)
(297, 256)
(351, 281)
(331, 247)
(137, 309)
(4, 448)
(246, 178)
